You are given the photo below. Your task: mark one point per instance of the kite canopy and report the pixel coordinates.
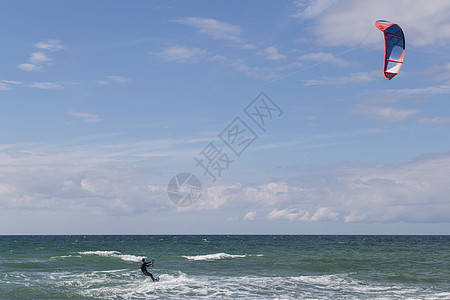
(394, 50)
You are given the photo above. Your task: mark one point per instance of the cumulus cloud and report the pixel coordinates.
(412, 192)
(218, 196)
(324, 214)
(289, 214)
(268, 194)
(416, 191)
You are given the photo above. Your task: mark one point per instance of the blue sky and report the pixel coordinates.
(103, 102)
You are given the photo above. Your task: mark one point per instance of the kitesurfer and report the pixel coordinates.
(144, 270)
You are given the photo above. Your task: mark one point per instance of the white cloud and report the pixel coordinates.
(289, 214)
(183, 54)
(361, 77)
(218, 196)
(105, 179)
(215, 29)
(250, 216)
(431, 90)
(312, 9)
(50, 45)
(383, 113)
(441, 73)
(308, 118)
(325, 214)
(86, 117)
(6, 85)
(12, 82)
(89, 189)
(324, 57)
(38, 60)
(334, 22)
(113, 79)
(272, 53)
(119, 79)
(93, 179)
(47, 85)
(255, 72)
(415, 192)
(268, 194)
(275, 73)
(435, 120)
(29, 67)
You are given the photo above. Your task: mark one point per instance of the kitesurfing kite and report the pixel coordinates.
(394, 50)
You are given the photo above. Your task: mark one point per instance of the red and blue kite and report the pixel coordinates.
(394, 50)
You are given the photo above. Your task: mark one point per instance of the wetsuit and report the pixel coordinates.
(144, 266)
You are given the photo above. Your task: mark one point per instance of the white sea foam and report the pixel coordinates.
(217, 256)
(126, 257)
(128, 284)
(182, 286)
(65, 256)
(101, 253)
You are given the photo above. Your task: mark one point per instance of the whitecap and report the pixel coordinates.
(214, 256)
(126, 257)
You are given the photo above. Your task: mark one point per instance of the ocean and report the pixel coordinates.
(225, 266)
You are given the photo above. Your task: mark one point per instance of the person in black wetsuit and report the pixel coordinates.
(144, 270)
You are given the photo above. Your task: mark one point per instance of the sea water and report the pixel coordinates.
(223, 266)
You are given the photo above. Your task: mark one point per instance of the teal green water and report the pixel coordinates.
(246, 267)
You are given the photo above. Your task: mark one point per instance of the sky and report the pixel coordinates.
(278, 109)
